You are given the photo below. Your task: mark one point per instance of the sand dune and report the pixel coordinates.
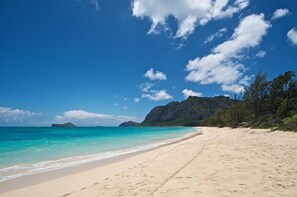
(220, 162)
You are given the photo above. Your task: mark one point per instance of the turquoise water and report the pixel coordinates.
(29, 150)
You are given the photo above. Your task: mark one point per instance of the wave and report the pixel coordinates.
(15, 171)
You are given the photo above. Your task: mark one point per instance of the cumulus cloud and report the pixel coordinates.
(188, 93)
(245, 80)
(10, 116)
(292, 36)
(236, 88)
(86, 118)
(222, 66)
(279, 13)
(261, 54)
(239, 87)
(157, 95)
(155, 75)
(145, 87)
(188, 13)
(219, 34)
(148, 92)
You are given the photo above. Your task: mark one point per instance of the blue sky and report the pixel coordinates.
(101, 62)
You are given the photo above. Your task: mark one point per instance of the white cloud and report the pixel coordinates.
(188, 93)
(155, 75)
(222, 66)
(225, 95)
(292, 35)
(125, 107)
(188, 13)
(261, 54)
(10, 116)
(245, 80)
(236, 88)
(157, 95)
(116, 104)
(279, 13)
(136, 100)
(148, 92)
(145, 87)
(82, 117)
(219, 34)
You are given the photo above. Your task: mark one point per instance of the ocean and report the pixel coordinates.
(31, 150)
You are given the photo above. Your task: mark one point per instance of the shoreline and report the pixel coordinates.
(220, 162)
(40, 177)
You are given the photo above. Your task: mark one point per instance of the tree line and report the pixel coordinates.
(263, 104)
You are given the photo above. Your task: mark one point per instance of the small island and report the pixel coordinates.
(129, 124)
(65, 125)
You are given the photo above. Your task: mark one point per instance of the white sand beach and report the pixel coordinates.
(220, 162)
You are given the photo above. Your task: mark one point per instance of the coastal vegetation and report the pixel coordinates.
(263, 104)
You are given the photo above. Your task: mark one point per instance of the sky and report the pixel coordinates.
(103, 62)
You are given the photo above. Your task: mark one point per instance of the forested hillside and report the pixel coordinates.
(190, 112)
(264, 104)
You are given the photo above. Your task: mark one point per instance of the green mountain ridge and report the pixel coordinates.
(189, 112)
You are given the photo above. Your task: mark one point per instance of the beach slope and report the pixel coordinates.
(220, 162)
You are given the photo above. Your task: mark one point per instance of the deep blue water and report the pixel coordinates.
(28, 150)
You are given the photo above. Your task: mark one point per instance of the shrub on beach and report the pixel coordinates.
(289, 123)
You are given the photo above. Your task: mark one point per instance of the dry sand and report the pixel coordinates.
(220, 162)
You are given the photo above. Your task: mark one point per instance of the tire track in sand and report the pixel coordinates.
(181, 168)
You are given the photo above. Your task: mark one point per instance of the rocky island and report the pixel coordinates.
(66, 125)
(129, 124)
